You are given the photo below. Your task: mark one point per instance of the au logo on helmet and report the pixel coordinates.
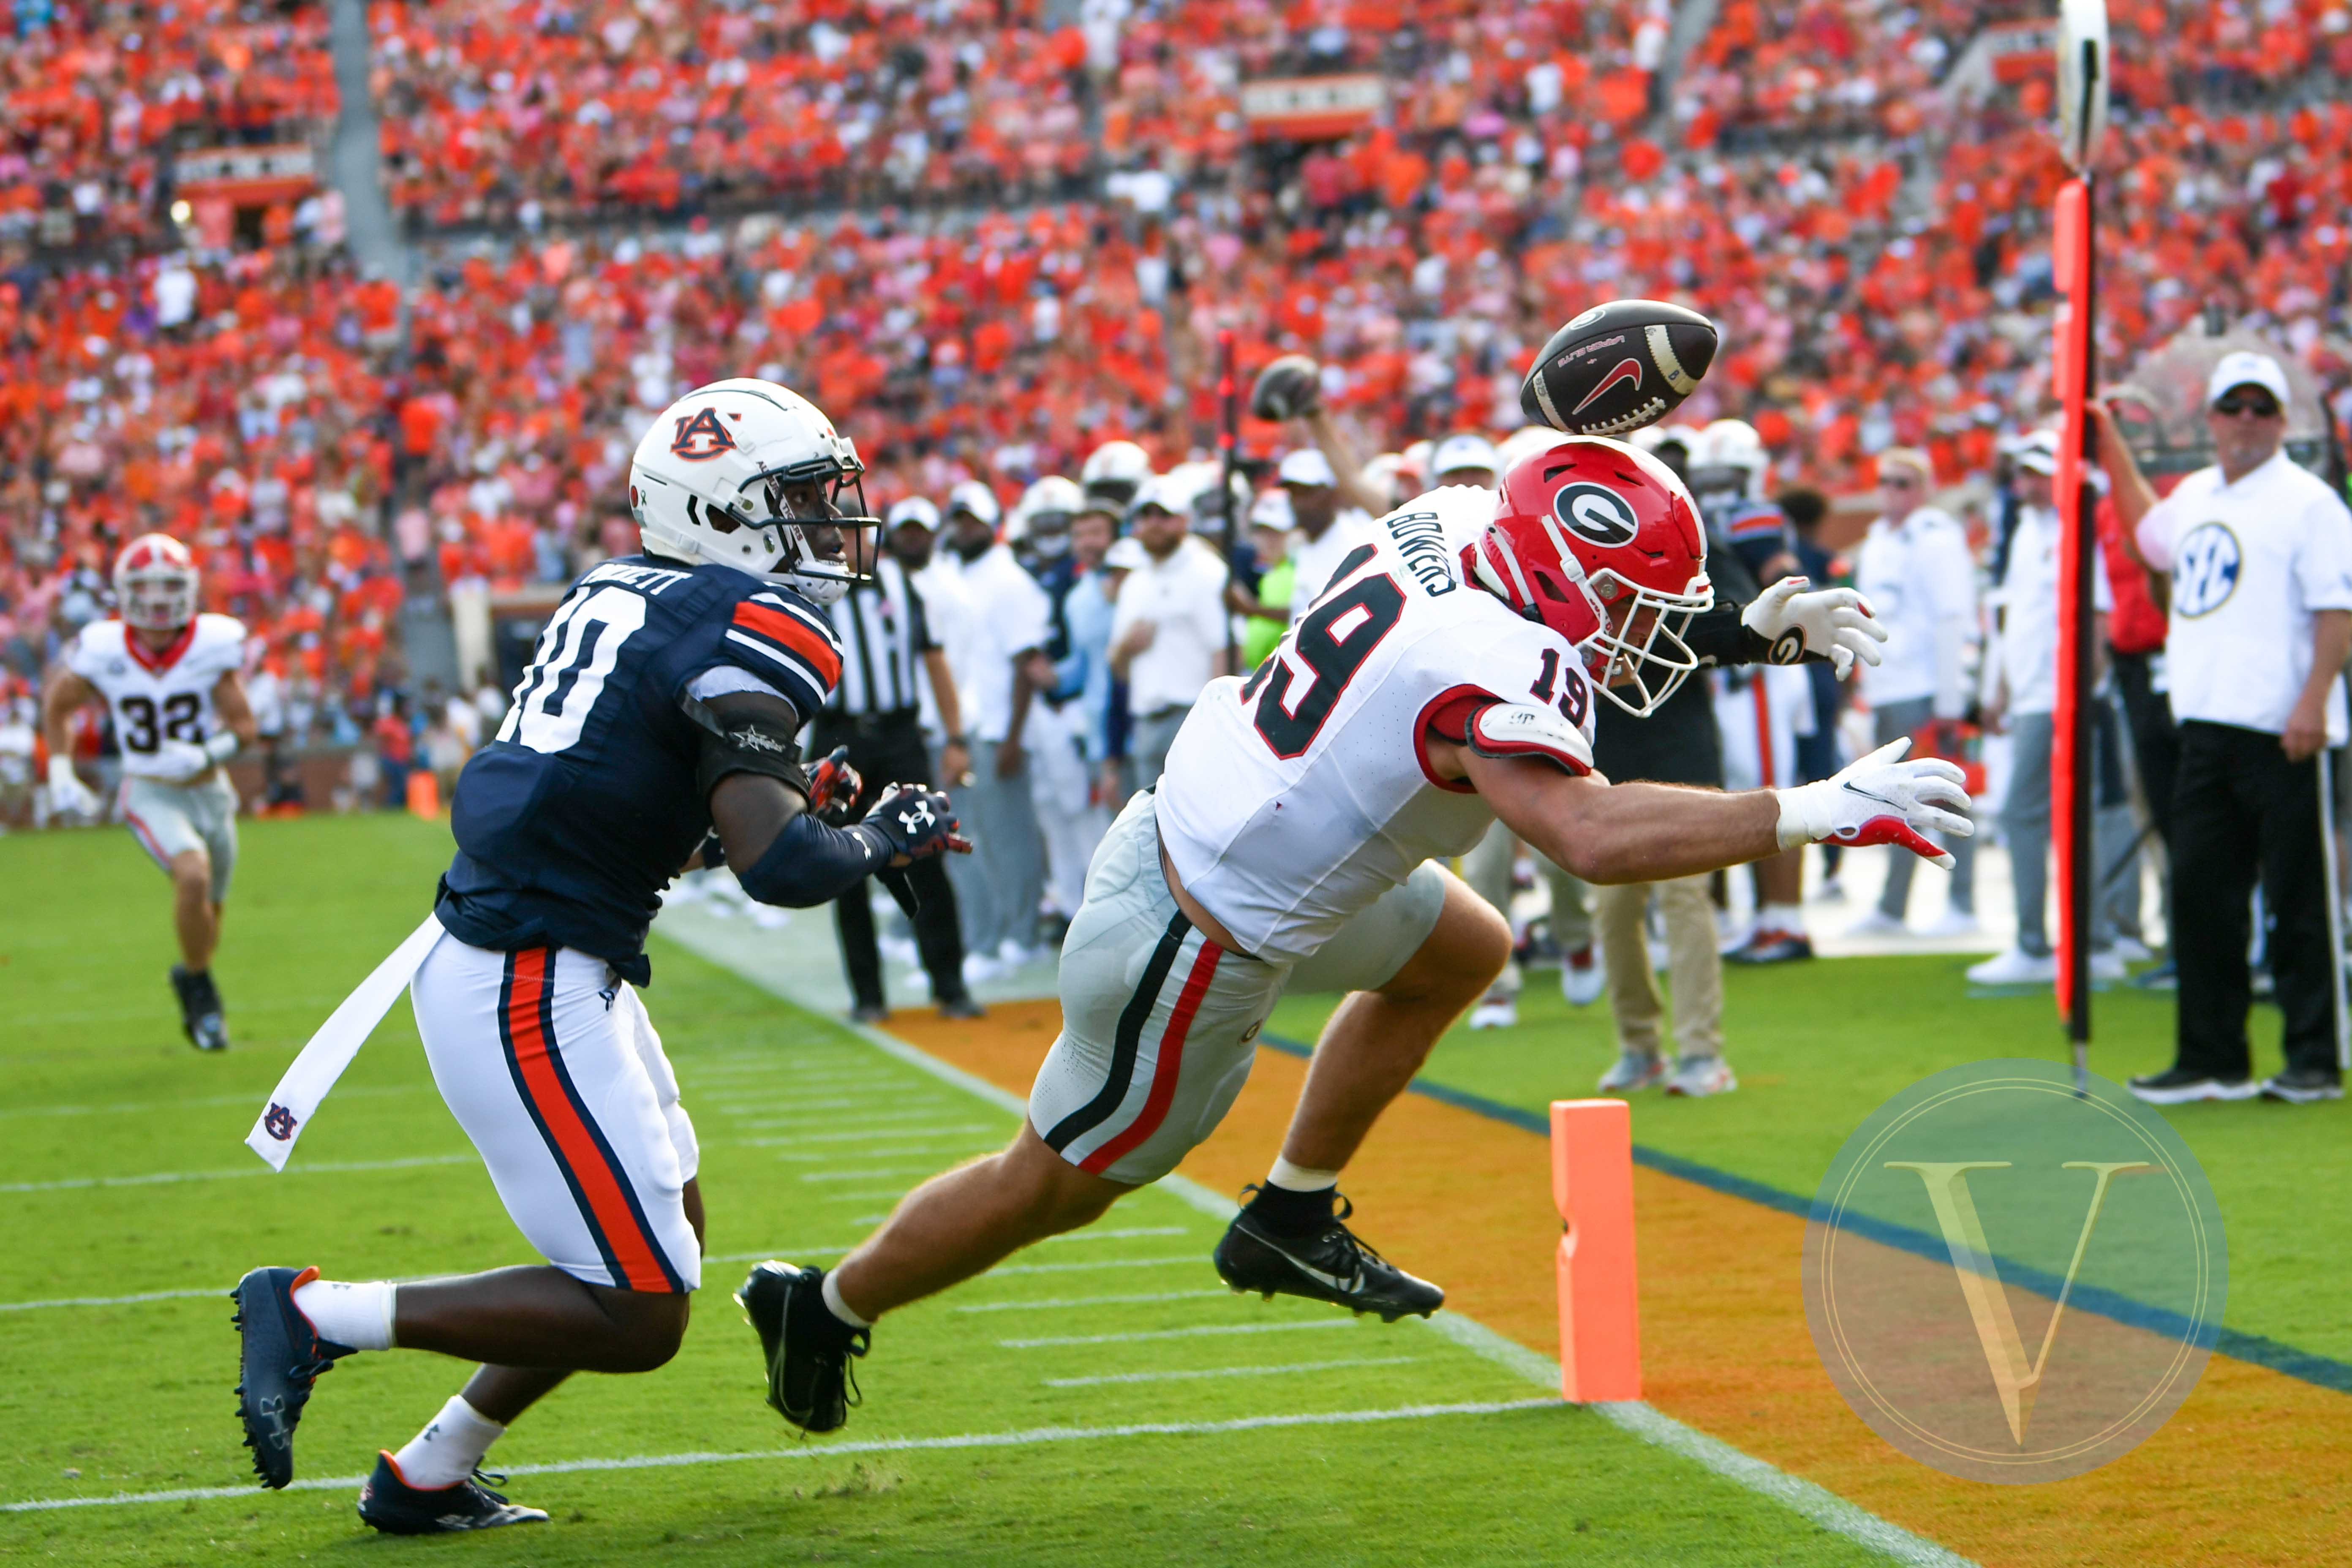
(1597, 514)
(700, 437)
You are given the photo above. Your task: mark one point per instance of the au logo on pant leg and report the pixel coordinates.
(2010, 1281)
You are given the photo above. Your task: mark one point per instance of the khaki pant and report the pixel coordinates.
(1488, 869)
(1694, 968)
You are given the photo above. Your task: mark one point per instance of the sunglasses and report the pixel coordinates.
(1901, 482)
(2233, 406)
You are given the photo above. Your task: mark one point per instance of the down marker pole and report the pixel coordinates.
(1599, 1304)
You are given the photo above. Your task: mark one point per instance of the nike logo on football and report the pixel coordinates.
(1626, 370)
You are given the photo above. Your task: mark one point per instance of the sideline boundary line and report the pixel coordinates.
(1806, 1499)
(1027, 1438)
(2261, 1350)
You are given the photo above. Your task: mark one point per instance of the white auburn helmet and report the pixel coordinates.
(1052, 497)
(1728, 458)
(1113, 470)
(707, 484)
(155, 583)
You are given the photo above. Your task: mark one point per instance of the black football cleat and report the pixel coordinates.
(395, 1507)
(200, 1009)
(280, 1356)
(806, 1348)
(1328, 1264)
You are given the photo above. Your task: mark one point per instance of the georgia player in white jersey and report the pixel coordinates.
(1439, 682)
(169, 675)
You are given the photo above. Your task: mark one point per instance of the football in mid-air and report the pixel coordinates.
(1618, 366)
(1287, 389)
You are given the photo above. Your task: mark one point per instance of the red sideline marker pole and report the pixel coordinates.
(1600, 1302)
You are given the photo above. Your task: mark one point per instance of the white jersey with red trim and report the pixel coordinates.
(158, 697)
(1295, 799)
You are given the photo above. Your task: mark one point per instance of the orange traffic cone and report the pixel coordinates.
(424, 794)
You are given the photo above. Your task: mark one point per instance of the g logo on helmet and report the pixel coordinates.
(701, 437)
(1596, 513)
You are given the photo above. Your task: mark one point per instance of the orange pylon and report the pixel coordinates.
(1600, 1303)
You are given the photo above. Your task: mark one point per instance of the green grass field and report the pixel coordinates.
(125, 1175)
(1819, 1046)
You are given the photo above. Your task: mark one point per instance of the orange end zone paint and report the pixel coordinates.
(2252, 1470)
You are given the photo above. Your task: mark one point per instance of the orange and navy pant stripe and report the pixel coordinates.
(608, 1201)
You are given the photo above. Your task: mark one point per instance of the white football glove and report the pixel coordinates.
(1879, 800)
(68, 794)
(1834, 622)
(180, 761)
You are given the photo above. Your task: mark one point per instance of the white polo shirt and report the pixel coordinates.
(1004, 613)
(1916, 573)
(1313, 560)
(2250, 562)
(2029, 596)
(1184, 598)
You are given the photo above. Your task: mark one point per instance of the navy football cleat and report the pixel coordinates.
(806, 1348)
(1329, 1264)
(200, 1009)
(280, 1356)
(395, 1507)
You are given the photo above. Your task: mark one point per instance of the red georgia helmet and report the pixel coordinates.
(1600, 542)
(155, 582)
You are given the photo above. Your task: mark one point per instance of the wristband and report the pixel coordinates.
(1804, 817)
(220, 748)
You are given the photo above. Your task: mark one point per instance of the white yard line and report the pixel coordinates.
(1193, 1259)
(1203, 1332)
(1296, 1366)
(1030, 1438)
(869, 1172)
(831, 1121)
(166, 1178)
(251, 1097)
(875, 1153)
(1092, 1300)
(853, 1136)
(1119, 1234)
(219, 1291)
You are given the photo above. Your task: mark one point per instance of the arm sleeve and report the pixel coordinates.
(786, 644)
(811, 863)
(2155, 534)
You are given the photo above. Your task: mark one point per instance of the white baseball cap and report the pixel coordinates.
(1306, 466)
(2246, 368)
(1124, 555)
(1171, 492)
(1272, 510)
(1467, 451)
(915, 509)
(2037, 453)
(977, 499)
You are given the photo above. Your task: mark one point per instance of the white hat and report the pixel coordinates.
(1171, 492)
(1306, 466)
(2244, 368)
(1466, 451)
(977, 499)
(915, 509)
(1124, 555)
(1272, 510)
(2037, 452)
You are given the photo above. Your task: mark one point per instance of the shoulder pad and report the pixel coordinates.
(1531, 729)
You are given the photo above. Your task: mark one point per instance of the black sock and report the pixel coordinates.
(1288, 1212)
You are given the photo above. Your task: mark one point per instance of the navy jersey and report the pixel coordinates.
(571, 821)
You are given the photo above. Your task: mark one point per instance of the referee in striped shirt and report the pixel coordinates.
(877, 712)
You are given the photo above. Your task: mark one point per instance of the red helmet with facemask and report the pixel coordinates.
(1602, 543)
(155, 583)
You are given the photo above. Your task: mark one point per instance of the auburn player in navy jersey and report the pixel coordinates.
(654, 729)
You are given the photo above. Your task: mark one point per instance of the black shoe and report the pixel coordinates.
(280, 1356)
(2302, 1086)
(869, 1012)
(395, 1507)
(806, 1348)
(1328, 1264)
(2178, 1086)
(961, 1007)
(200, 1009)
(1772, 947)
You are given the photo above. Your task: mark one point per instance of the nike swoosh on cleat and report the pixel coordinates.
(1345, 1286)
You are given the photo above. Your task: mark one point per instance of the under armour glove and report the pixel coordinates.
(915, 822)
(834, 786)
(1797, 619)
(68, 794)
(1879, 800)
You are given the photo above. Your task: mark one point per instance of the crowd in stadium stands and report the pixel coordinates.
(1879, 269)
(96, 95)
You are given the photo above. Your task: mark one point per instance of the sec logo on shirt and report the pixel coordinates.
(2205, 570)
